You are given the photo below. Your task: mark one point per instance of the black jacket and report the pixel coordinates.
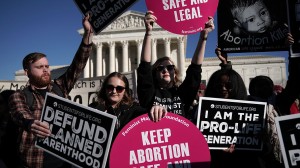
(176, 99)
(124, 113)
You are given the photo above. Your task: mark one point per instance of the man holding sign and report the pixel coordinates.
(26, 105)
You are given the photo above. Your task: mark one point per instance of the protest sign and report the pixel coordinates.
(227, 121)
(288, 128)
(103, 12)
(172, 142)
(79, 135)
(294, 25)
(252, 26)
(182, 16)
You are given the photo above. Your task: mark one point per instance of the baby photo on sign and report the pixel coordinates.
(294, 25)
(252, 25)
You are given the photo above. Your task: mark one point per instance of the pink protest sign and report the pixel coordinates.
(174, 141)
(182, 16)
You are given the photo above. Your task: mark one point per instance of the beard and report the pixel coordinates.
(40, 81)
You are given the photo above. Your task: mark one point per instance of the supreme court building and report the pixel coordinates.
(118, 48)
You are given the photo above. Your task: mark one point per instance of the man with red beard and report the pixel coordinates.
(36, 67)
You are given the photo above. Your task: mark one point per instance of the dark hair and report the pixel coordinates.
(6, 94)
(238, 88)
(176, 81)
(102, 97)
(32, 58)
(261, 86)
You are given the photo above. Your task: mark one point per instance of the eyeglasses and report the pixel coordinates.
(111, 88)
(168, 67)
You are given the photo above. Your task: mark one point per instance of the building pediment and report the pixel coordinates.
(129, 21)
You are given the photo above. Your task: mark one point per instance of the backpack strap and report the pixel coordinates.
(28, 98)
(29, 94)
(56, 89)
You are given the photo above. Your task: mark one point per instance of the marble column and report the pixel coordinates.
(112, 56)
(181, 56)
(139, 44)
(167, 42)
(99, 65)
(124, 56)
(153, 51)
(104, 61)
(86, 71)
(283, 76)
(91, 71)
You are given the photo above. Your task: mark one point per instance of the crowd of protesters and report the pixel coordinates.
(155, 83)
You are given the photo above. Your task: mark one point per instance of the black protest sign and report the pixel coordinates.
(288, 128)
(252, 26)
(103, 12)
(80, 135)
(226, 121)
(294, 25)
